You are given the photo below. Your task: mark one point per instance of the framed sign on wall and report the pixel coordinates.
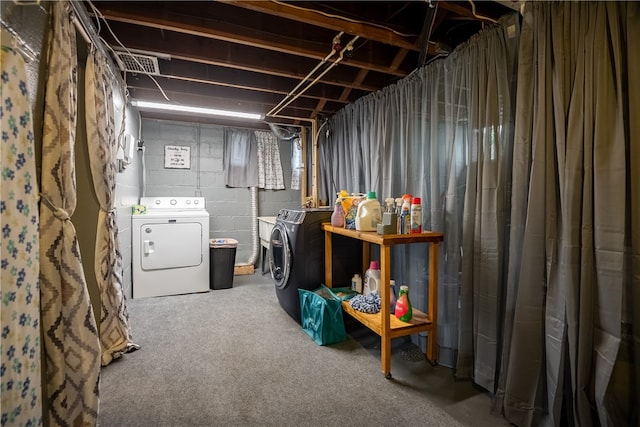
(177, 157)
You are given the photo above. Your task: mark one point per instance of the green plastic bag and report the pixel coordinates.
(321, 318)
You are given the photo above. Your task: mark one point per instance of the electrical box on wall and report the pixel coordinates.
(126, 148)
(130, 143)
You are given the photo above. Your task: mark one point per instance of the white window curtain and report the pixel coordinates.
(252, 159)
(115, 333)
(70, 334)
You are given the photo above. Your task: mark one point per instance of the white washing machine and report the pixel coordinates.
(170, 247)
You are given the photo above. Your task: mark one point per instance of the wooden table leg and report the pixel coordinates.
(432, 338)
(385, 310)
(328, 260)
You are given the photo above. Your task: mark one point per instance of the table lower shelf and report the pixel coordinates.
(419, 322)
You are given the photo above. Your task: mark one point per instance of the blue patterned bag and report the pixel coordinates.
(321, 318)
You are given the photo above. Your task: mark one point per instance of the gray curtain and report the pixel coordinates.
(538, 200)
(240, 158)
(443, 134)
(570, 353)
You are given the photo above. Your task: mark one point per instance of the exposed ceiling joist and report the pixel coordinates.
(248, 54)
(295, 12)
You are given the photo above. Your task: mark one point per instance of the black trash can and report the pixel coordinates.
(222, 258)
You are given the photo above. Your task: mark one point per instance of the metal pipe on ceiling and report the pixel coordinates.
(347, 48)
(334, 49)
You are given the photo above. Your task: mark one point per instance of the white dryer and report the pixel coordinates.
(170, 247)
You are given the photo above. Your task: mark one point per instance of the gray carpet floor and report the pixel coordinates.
(234, 357)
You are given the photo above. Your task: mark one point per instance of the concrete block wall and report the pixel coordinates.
(230, 208)
(128, 188)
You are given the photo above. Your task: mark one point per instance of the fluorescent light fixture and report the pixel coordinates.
(196, 110)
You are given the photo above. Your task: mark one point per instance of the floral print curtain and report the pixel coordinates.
(270, 176)
(20, 362)
(115, 335)
(72, 348)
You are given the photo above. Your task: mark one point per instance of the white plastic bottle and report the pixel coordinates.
(369, 213)
(405, 218)
(416, 216)
(356, 283)
(372, 278)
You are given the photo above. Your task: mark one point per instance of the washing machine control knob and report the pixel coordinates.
(158, 201)
(188, 201)
(173, 202)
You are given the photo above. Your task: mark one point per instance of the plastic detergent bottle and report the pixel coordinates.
(369, 213)
(403, 310)
(416, 216)
(405, 218)
(337, 217)
(356, 283)
(392, 295)
(399, 202)
(372, 278)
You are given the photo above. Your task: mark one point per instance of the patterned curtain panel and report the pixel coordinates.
(115, 335)
(71, 342)
(21, 402)
(270, 176)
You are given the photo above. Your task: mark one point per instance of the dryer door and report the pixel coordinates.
(279, 255)
(170, 245)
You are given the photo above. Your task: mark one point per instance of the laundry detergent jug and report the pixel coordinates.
(369, 213)
(372, 278)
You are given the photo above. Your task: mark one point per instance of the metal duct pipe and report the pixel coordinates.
(281, 133)
(255, 249)
(254, 227)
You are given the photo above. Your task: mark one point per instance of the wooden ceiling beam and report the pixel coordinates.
(347, 91)
(221, 76)
(235, 95)
(215, 53)
(319, 19)
(402, 53)
(200, 27)
(225, 103)
(465, 13)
